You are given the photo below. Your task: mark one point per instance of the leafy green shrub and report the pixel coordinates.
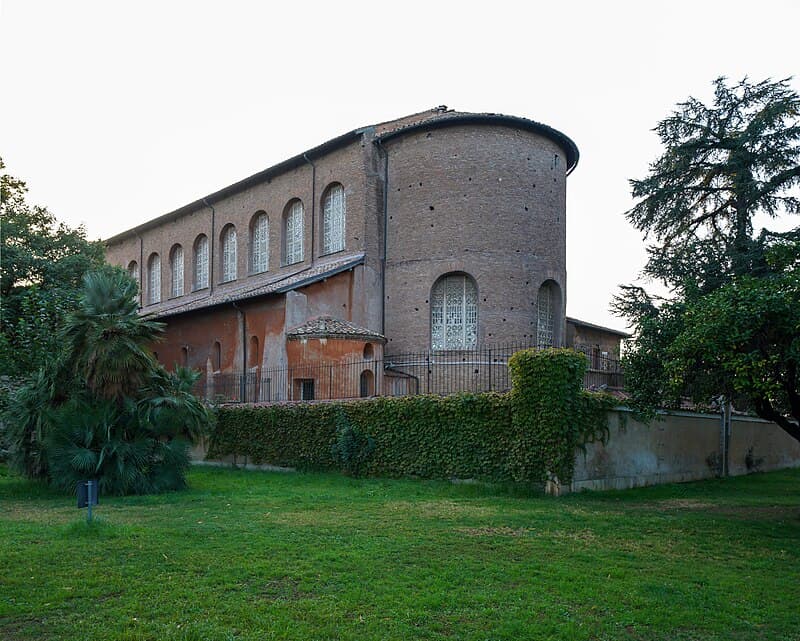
(552, 414)
(26, 421)
(460, 436)
(8, 387)
(521, 436)
(102, 441)
(103, 408)
(351, 449)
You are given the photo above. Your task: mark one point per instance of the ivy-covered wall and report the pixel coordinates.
(524, 436)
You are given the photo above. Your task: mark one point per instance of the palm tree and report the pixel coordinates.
(105, 409)
(106, 342)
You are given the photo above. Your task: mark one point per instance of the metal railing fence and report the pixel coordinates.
(429, 372)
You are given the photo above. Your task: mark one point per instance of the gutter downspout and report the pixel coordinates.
(211, 249)
(141, 270)
(313, 202)
(385, 231)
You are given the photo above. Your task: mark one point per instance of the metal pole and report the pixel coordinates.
(724, 435)
(428, 377)
(728, 425)
(490, 370)
(90, 499)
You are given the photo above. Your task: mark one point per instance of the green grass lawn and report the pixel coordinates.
(251, 555)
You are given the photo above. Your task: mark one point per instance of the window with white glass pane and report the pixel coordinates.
(259, 247)
(176, 267)
(133, 270)
(333, 220)
(201, 262)
(454, 313)
(229, 254)
(293, 234)
(154, 279)
(545, 316)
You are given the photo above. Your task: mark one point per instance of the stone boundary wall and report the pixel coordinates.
(680, 446)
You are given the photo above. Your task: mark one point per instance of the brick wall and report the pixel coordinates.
(488, 201)
(485, 199)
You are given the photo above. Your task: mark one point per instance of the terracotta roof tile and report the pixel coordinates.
(274, 285)
(329, 327)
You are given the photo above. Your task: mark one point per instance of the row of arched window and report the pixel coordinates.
(333, 240)
(454, 313)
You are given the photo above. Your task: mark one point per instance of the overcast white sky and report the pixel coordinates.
(116, 112)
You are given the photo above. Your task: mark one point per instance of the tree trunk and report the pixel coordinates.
(765, 410)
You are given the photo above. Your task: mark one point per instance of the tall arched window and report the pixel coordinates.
(333, 219)
(200, 262)
(133, 270)
(176, 269)
(454, 312)
(259, 243)
(154, 279)
(547, 304)
(293, 233)
(228, 253)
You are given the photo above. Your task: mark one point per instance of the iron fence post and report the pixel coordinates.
(428, 373)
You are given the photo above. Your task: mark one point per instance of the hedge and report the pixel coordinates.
(522, 436)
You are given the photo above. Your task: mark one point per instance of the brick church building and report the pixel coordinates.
(438, 233)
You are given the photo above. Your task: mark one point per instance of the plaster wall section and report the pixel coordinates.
(311, 359)
(265, 319)
(680, 446)
(580, 335)
(196, 333)
(486, 200)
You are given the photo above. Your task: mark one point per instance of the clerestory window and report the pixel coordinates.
(259, 244)
(333, 219)
(154, 279)
(176, 269)
(293, 233)
(201, 262)
(228, 253)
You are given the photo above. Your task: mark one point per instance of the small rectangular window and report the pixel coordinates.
(305, 388)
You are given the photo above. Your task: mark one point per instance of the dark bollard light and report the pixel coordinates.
(87, 496)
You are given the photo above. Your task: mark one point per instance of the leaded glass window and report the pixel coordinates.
(154, 279)
(333, 220)
(176, 267)
(293, 234)
(259, 248)
(133, 270)
(229, 254)
(545, 316)
(201, 262)
(454, 313)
